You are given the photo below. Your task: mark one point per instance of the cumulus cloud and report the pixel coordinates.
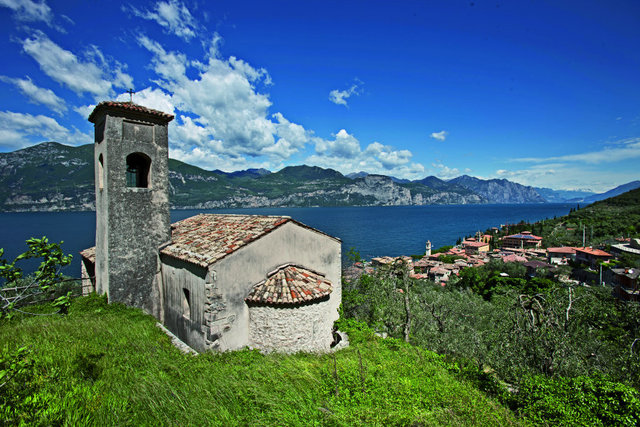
(339, 97)
(171, 15)
(151, 98)
(94, 74)
(19, 130)
(445, 172)
(388, 157)
(292, 138)
(344, 153)
(228, 116)
(440, 136)
(620, 150)
(37, 94)
(343, 145)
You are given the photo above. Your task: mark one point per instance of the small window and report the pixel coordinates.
(186, 303)
(138, 168)
(99, 132)
(100, 172)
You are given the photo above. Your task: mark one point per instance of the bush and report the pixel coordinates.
(582, 400)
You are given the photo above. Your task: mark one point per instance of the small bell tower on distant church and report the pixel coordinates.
(132, 201)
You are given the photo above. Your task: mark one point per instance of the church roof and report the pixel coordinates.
(205, 238)
(129, 107)
(290, 285)
(89, 253)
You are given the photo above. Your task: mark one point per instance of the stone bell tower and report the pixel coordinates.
(132, 201)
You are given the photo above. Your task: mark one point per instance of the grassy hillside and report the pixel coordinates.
(107, 364)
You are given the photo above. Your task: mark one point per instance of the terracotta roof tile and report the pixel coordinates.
(514, 258)
(204, 239)
(128, 106)
(290, 285)
(89, 253)
(472, 244)
(562, 250)
(594, 252)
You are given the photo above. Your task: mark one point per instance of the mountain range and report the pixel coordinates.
(52, 176)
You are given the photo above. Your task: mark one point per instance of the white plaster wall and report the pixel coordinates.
(290, 329)
(237, 273)
(176, 276)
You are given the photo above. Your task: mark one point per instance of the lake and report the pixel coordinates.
(373, 231)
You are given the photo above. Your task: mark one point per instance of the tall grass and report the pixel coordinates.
(106, 364)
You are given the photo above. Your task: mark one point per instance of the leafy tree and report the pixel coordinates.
(17, 289)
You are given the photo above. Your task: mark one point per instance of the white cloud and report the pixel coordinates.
(344, 154)
(224, 101)
(387, 156)
(440, 136)
(445, 172)
(151, 98)
(344, 145)
(618, 151)
(84, 110)
(19, 130)
(564, 176)
(339, 97)
(31, 11)
(210, 161)
(291, 138)
(95, 75)
(37, 94)
(171, 66)
(171, 15)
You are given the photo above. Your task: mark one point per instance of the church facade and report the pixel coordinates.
(218, 282)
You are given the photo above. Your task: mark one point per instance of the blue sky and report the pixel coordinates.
(544, 93)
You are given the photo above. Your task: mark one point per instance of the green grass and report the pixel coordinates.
(105, 364)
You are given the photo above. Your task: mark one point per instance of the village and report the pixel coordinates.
(585, 265)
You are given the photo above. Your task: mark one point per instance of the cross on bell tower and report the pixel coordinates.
(131, 92)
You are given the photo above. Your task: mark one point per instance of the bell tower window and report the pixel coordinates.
(100, 172)
(138, 170)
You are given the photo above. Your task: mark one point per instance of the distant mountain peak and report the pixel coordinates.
(499, 190)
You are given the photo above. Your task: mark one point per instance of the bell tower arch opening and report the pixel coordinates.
(138, 170)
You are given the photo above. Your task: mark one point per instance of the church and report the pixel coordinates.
(218, 282)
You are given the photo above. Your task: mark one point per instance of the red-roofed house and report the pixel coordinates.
(592, 256)
(514, 258)
(524, 240)
(561, 255)
(219, 282)
(474, 247)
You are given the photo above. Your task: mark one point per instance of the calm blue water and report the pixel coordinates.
(373, 231)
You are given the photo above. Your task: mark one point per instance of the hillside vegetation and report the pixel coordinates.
(105, 364)
(601, 221)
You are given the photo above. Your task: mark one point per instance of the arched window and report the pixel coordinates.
(100, 172)
(186, 303)
(138, 170)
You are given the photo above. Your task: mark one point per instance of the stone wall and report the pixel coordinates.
(291, 329)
